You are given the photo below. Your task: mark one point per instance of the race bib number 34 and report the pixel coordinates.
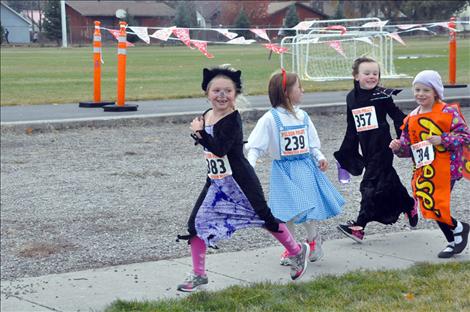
(365, 118)
(423, 153)
(293, 142)
(217, 167)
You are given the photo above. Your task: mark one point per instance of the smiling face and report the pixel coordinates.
(368, 75)
(424, 95)
(221, 93)
(295, 93)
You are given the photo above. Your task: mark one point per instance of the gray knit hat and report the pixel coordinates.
(431, 78)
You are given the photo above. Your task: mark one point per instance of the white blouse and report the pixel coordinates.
(264, 139)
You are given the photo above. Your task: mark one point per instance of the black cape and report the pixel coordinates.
(227, 140)
(384, 197)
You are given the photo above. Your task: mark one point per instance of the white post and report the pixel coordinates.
(63, 19)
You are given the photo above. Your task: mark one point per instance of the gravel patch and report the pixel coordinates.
(93, 197)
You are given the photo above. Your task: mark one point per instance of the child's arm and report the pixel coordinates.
(459, 134)
(315, 146)
(230, 131)
(258, 141)
(402, 147)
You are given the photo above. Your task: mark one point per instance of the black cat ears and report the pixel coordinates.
(231, 73)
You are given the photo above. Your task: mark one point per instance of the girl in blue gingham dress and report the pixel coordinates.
(299, 191)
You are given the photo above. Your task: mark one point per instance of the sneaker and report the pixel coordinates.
(464, 233)
(447, 252)
(352, 230)
(413, 215)
(316, 251)
(193, 282)
(299, 262)
(285, 258)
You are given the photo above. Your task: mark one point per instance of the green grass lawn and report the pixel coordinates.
(423, 287)
(56, 75)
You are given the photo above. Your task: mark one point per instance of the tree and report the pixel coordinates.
(291, 20)
(242, 21)
(52, 22)
(2, 33)
(185, 14)
(431, 10)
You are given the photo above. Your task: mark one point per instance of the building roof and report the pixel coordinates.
(275, 7)
(24, 19)
(109, 8)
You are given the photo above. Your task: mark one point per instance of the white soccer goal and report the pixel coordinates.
(313, 57)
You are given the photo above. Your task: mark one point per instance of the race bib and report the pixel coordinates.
(423, 153)
(294, 142)
(217, 167)
(365, 118)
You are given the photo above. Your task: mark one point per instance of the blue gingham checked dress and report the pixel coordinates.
(299, 190)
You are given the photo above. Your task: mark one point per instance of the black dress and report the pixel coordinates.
(384, 197)
(227, 139)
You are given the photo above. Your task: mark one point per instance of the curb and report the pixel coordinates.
(184, 117)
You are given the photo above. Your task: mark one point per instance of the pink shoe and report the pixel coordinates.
(285, 258)
(413, 215)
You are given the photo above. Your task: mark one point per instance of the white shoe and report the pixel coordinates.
(316, 250)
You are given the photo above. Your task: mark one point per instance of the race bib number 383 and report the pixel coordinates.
(423, 153)
(217, 167)
(365, 118)
(293, 142)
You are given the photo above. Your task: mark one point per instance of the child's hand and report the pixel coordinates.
(323, 164)
(395, 145)
(197, 124)
(435, 139)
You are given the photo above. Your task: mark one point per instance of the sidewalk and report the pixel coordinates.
(93, 290)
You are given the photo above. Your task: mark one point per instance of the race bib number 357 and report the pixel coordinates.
(217, 167)
(365, 118)
(423, 153)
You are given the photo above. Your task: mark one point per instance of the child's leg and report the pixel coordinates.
(447, 229)
(198, 254)
(312, 233)
(291, 226)
(287, 240)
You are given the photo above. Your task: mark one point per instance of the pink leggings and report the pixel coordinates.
(198, 248)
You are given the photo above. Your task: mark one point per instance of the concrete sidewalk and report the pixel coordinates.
(93, 290)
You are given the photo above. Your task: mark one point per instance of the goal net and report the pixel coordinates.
(323, 52)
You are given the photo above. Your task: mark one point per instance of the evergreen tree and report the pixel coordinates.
(185, 14)
(242, 21)
(2, 33)
(52, 22)
(291, 20)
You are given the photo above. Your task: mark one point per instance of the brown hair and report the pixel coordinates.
(277, 95)
(359, 61)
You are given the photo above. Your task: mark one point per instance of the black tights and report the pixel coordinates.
(446, 228)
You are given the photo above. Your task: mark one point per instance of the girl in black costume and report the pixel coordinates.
(232, 197)
(384, 197)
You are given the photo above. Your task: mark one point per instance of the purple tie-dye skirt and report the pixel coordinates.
(224, 210)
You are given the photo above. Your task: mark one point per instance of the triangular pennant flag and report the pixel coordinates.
(375, 24)
(275, 48)
(407, 26)
(141, 32)
(365, 39)
(226, 33)
(202, 46)
(303, 25)
(445, 25)
(115, 33)
(423, 29)
(341, 28)
(336, 44)
(183, 35)
(397, 37)
(240, 40)
(260, 33)
(163, 34)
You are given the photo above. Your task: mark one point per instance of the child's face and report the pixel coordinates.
(221, 93)
(425, 96)
(296, 92)
(368, 75)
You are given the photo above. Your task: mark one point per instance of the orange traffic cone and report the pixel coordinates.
(97, 71)
(121, 79)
